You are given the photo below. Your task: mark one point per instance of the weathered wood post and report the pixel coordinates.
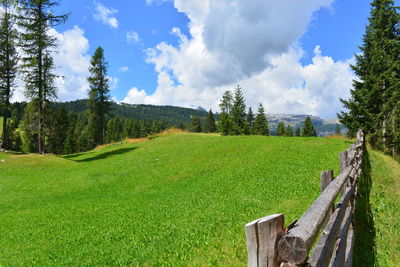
(262, 237)
(326, 179)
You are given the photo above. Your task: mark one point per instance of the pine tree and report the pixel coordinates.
(308, 128)
(226, 102)
(250, 122)
(288, 131)
(58, 127)
(261, 123)
(35, 19)
(210, 126)
(238, 112)
(225, 123)
(280, 130)
(8, 64)
(70, 140)
(374, 102)
(99, 99)
(298, 132)
(196, 124)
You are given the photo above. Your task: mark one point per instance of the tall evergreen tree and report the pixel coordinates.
(210, 126)
(225, 122)
(196, 124)
(8, 64)
(280, 130)
(238, 112)
(374, 102)
(261, 123)
(99, 99)
(35, 19)
(308, 128)
(70, 140)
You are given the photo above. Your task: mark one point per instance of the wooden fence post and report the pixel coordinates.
(326, 179)
(262, 237)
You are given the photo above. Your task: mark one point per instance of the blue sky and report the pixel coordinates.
(291, 57)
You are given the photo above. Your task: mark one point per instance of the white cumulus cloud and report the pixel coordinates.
(105, 15)
(132, 37)
(254, 43)
(72, 63)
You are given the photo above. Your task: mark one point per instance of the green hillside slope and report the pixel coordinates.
(174, 200)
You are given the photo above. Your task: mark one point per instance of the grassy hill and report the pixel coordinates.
(174, 200)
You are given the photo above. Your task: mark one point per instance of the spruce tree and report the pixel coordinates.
(196, 124)
(210, 126)
(250, 122)
(261, 123)
(70, 140)
(238, 112)
(35, 19)
(8, 64)
(280, 130)
(99, 99)
(225, 122)
(374, 102)
(308, 128)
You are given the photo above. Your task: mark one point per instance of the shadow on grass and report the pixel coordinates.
(100, 156)
(364, 246)
(71, 156)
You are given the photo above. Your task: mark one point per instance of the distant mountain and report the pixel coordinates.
(201, 109)
(323, 127)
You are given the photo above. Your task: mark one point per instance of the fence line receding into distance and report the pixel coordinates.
(269, 244)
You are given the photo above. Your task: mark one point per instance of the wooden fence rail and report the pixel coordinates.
(269, 244)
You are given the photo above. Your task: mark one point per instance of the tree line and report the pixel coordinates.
(233, 120)
(374, 105)
(39, 126)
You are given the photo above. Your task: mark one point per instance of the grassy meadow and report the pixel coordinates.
(181, 199)
(385, 206)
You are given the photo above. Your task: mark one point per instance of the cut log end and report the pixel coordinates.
(292, 250)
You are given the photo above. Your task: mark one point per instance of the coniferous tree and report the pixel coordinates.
(99, 99)
(58, 126)
(196, 124)
(250, 122)
(8, 65)
(289, 131)
(298, 132)
(374, 102)
(210, 126)
(261, 123)
(238, 112)
(308, 128)
(70, 140)
(35, 19)
(280, 130)
(225, 123)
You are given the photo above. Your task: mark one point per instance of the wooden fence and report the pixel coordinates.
(269, 244)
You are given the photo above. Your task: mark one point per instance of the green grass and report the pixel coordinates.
(174, 200)
(385, 206)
